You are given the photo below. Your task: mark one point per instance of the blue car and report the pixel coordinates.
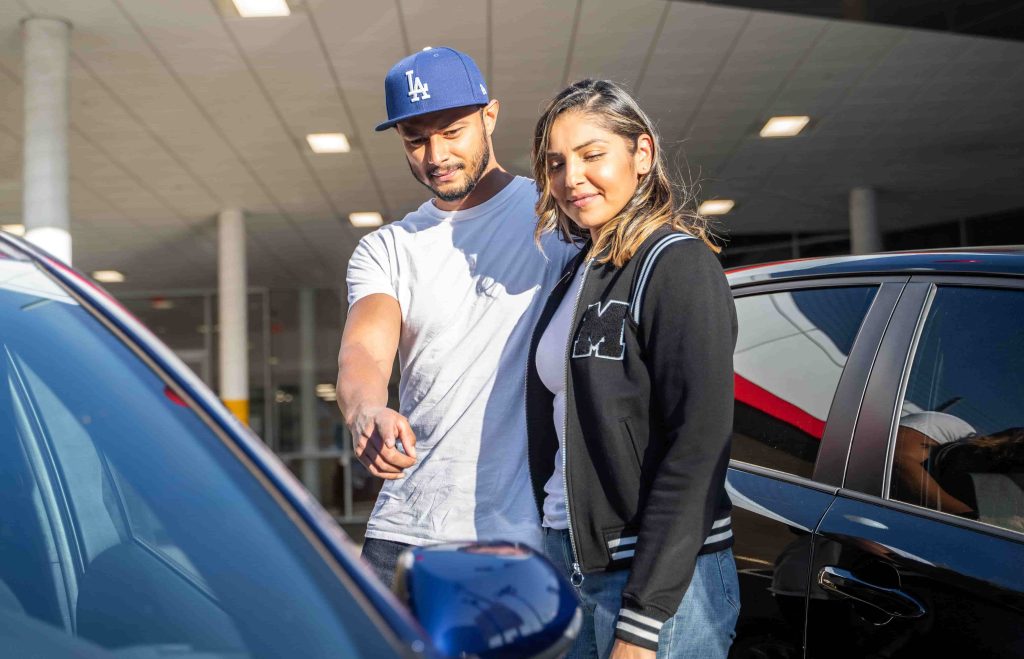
(140, 520)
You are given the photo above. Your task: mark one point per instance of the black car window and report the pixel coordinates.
(959, 445)
(128, 523)
(790, 353)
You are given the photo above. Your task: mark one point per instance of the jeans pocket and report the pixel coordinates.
(729, 578)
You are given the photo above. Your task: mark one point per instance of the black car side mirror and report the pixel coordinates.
(489, 600)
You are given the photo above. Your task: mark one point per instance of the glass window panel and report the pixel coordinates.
(790, 354)
(960, 439)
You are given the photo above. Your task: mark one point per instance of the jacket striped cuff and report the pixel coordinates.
(638, 629)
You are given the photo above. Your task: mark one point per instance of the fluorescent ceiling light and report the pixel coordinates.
(716, 207)
(108, 276)
(16, 229)
(784, 126)
(261, 8)
(328, 142)
(363, 220)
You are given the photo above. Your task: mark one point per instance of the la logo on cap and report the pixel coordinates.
(417, 90)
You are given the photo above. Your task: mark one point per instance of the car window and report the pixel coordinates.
(790, 353)
(959, 440)
(128, 525)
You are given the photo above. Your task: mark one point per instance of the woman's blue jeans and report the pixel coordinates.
(702, 628)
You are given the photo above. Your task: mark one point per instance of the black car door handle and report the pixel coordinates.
(889, 601)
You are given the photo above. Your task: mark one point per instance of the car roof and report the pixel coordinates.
(1003, 260)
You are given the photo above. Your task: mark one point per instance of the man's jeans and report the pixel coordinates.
(703, 627)
(382, 555)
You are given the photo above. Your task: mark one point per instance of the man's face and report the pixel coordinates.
(447, 151)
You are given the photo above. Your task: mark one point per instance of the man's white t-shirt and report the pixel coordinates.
(471, 285)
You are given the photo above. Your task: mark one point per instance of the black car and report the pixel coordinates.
(140, 519)
(877, 470)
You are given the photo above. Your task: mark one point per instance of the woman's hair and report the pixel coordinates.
(653, 204)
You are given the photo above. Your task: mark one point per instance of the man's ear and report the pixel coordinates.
(490, 115)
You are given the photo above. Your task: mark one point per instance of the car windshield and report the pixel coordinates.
(128, 528)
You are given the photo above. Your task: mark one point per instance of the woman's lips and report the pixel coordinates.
(580, 202)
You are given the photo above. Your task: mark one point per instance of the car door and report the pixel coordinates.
(802, 360)
(921, 552)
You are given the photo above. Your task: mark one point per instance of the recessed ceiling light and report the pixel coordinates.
(108, 276)
(161, 303)
(16, 229)
(363, 220)
(261, 8)
(716, 207)
(784, 126)
(328, 142)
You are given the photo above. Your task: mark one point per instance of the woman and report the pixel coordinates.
(629, 389)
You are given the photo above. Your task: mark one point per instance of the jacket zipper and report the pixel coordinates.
(577, 574)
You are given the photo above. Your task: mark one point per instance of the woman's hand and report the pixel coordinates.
(624, 650)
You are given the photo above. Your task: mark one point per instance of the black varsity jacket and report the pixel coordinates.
(649, 407)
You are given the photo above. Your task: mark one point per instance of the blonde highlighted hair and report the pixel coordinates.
(654, 204)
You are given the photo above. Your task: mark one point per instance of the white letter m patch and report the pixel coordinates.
(602, 331)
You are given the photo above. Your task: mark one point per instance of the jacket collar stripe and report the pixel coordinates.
(648, 266)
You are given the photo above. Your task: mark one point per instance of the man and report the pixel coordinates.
(454, 288)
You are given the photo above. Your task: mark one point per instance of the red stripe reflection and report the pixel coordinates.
(173, 397)
(749, 393)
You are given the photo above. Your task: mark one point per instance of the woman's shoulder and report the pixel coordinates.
(674, 250)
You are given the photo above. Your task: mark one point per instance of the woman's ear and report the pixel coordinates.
(643, 156)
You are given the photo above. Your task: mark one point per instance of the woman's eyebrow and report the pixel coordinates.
(579, 146)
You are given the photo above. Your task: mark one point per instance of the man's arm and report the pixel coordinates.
(368, 347)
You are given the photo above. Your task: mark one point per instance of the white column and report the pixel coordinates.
(865, 236)
(307, 390)
(232, 307)
(45, 158)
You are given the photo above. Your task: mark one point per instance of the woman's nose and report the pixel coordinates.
(574, 173)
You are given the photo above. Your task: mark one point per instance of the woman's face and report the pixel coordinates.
(593, 172)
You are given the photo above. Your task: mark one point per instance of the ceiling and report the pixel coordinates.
(180, 110)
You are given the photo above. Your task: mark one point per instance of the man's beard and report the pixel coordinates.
(462, 192)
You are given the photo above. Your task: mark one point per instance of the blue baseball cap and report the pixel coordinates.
(431, 80)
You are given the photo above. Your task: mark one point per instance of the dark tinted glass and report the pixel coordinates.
(960, 438)
(127, 523)
(790, 353)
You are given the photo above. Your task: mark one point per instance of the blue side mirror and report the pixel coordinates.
(489, 600)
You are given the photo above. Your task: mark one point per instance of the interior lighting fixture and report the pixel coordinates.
(716, 207)
(328, 142)
(322, 389)
(16, 229)
(261, 8)
(161, 303)
(108, 276)
(784, 126)
(364, 220)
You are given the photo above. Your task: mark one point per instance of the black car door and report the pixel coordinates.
(802, 361)
(920, 554)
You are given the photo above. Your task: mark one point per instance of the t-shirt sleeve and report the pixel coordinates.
(372, 268)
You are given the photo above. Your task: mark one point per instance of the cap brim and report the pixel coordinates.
(390, 123)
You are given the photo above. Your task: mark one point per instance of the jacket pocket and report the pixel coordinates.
(628, 436)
